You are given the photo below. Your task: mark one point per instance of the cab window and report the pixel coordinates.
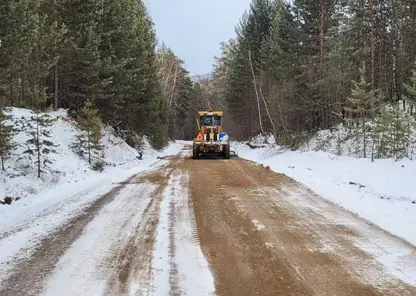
(210, 120)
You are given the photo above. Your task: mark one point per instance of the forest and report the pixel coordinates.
(292, 70)
(96, 54)
(295, 69)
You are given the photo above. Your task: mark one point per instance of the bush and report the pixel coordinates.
(98, 166)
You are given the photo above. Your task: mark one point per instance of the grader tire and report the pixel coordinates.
(226, 151)
(195, 152)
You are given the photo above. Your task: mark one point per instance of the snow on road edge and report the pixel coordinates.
(83, 270)
(21, 228)
(93, 184)
(179, 264)
(380, 192)
(330, 177)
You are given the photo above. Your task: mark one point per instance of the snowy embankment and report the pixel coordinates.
(67, 175)
(381, 192)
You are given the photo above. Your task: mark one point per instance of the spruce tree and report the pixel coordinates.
(6, 139)
(89, 140)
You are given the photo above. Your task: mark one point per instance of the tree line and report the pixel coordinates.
(97, 58)
(299, 67)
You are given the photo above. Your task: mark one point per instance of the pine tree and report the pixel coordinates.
(382, 138)
(393, 128)
(362, 105)
(38, 68)
(80, 63)
(282, 47)
(40, 145)
(89, 140)
(401, 132)
(19, 34)
(363, 99)
(6, 139)
(158, 126)
(118, 52)
(152, 116)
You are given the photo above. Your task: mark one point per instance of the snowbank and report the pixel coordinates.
(66, 167)
(390, 134)
(380, 191)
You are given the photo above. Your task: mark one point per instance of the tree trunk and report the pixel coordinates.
(364, 142)
(255, 88)
(372, 43)
(2, 159)
(55, 95)
(38, 141)
(321, 30)
(89, 147)
(267, 107)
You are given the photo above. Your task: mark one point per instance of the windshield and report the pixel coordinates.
(210, 120)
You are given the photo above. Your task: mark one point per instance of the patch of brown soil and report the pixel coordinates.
(285, 257)
(241, 262)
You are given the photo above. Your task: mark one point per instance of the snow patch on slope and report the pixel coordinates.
(390, 134)
(67, 167)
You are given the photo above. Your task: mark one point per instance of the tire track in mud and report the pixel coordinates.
(28, 275)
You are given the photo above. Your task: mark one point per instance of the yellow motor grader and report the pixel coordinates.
(211, 138)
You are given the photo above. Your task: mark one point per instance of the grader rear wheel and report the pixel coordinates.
(226, 151)
(195, 152)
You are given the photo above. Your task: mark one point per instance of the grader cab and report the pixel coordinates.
(211, 140)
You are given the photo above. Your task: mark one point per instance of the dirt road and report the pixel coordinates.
(211, 227)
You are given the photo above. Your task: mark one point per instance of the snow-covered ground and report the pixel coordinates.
(381, 192)
(179, 264)
(66, 166)
(113, 227)
(26, 224)
(67, 187)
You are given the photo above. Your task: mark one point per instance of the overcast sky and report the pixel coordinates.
(195, 28)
